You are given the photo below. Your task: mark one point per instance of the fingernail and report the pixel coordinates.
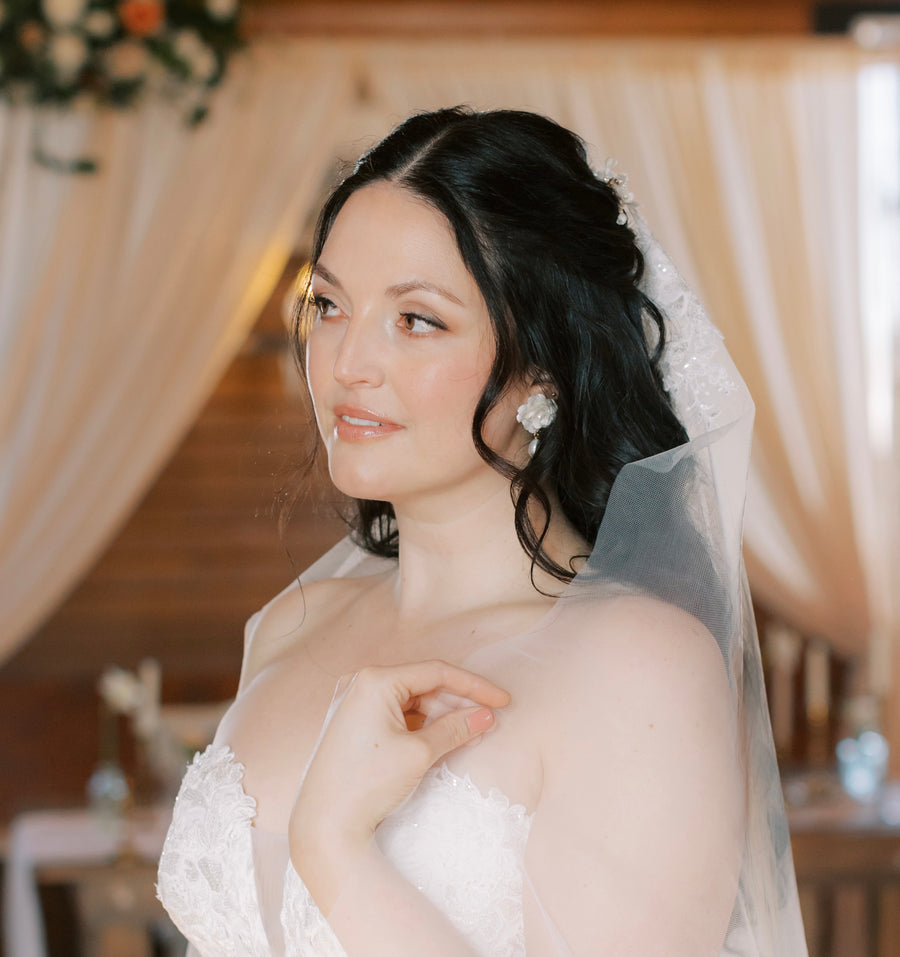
(480, 720)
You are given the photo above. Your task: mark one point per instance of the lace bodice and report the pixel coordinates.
(462, 849)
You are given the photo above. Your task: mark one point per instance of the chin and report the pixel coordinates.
(367, 483)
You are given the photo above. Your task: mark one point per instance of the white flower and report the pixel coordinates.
(187, 43)
(121, 690)
(204, 64)
(126, 60)
(67, 52)
(221, 9)
(62, 14)
(99, 23)
(195, 54)
(146, 715)
(536, 413)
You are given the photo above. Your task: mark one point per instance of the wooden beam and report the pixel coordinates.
(468, 18)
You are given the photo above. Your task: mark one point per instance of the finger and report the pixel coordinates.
(442, 702)
(429, 676)
(454, 730)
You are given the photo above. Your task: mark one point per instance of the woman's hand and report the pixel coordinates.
(368, 761)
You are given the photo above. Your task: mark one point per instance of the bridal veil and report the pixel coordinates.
(672, 533)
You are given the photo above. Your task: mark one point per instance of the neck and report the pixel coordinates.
(471, 559)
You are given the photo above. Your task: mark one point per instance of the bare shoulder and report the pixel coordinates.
(639, 732)
(283, 625)
(630, 652)
(634, 629)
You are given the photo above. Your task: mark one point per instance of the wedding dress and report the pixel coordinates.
(232, 890)
(672, 531)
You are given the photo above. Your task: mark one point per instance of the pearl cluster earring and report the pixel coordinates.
(536, 413)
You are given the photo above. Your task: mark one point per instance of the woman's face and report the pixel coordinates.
(398, 358)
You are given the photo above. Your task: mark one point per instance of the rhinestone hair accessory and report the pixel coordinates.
(536, 413)
(618, 183)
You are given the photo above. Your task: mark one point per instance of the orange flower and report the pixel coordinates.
(31, 35)
(141, 18)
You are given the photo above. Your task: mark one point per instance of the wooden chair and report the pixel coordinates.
(116, 910)
(849, 884)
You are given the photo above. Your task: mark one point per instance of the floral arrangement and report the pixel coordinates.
(109, 51)
(166, 736)
(135, 694)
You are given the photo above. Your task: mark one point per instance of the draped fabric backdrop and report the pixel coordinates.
(122, 297)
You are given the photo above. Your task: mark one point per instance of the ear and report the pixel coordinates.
(542, 384)
(537, 383)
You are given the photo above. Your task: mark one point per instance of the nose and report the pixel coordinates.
(358, 361)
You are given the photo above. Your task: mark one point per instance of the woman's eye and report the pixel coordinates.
(324, 307)
(413, 322)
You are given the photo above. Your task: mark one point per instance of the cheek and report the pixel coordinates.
(314, 351)
(445, 396)
(318, 364)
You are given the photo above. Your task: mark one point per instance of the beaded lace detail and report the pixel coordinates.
(305, 929)
(205, 870)
(696, 368)
(463, 850)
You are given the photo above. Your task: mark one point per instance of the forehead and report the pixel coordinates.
(384, 228)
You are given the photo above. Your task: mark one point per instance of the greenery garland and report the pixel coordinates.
(65, 52)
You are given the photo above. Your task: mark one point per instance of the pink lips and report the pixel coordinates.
(360, 425)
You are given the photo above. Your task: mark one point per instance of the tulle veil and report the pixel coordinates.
(672, 530)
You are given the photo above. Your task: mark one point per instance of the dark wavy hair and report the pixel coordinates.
(540, 234)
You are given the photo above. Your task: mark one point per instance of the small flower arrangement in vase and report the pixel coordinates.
(122, 694)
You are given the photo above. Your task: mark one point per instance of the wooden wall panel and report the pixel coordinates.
(200, 554)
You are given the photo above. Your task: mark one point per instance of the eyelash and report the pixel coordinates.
(416, 317)
(323, 304)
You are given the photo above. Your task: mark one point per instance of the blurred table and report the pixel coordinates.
(110, 870)
(847, 860)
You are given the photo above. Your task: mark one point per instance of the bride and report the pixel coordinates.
(523, 712)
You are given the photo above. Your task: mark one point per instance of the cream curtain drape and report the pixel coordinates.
(743, 156)
(123, 295)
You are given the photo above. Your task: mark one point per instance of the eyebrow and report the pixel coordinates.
(402, 288)
(398, 289)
